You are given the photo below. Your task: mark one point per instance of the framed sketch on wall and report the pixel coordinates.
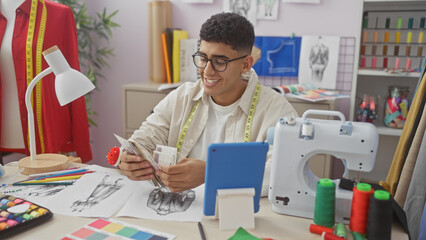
(319, 60)
(246, 8)
(268, 9)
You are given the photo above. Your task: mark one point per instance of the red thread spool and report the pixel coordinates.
(317, 229)
(359, 208)
(330, 236)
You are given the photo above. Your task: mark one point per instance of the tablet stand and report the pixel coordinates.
(235, 208)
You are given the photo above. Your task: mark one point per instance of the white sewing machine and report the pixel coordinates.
(296, 140)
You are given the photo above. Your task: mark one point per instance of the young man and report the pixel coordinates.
(214, 109)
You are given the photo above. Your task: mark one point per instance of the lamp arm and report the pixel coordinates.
(32, 147)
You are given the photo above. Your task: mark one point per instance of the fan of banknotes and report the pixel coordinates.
(162, 156)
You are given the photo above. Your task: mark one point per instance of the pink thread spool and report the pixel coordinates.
(408, 64)
(373, 62)
(397, 62)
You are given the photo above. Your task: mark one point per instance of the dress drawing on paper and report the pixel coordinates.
(267, 9)
(45, 191)
(245, 8)
(318, 59)
(164, 202)
(240, 7)
(102, 191)
(279, 56)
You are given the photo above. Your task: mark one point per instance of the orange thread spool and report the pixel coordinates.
(359, 208)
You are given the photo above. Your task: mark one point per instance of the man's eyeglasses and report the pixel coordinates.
(219, 64)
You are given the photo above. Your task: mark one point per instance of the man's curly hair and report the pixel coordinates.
(231, 29)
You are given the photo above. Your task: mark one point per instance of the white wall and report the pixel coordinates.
(130, 63)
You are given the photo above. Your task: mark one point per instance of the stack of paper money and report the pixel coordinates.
(162, 156)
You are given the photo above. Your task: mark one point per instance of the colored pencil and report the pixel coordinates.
(66, 175)
(62, 174)
(54, 179)
(43, 183)
(51, 173)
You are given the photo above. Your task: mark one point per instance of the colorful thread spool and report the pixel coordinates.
(340, 230)
(357, 236)
(397, 62)
(408, 64)
(330, 236)
(379, 216)
(373, 62)
(359, 208)
(363, 60)
(317, 229)
(325, 203)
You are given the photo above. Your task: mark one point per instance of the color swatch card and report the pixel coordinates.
(109, 229)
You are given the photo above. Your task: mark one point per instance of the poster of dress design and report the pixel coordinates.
(319, 61)
(279, 56)
(155, 203)
(245, 8)
(268, 9)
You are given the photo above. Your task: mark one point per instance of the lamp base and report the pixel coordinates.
(48, 162)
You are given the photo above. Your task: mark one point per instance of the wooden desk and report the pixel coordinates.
(268, 225)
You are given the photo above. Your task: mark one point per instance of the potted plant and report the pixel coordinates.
(91, 30)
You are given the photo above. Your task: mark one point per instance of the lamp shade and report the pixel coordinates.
(70, 84)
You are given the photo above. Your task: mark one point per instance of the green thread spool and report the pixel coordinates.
(325, 200)
(340, 230)
(363, 187)
(410, 23)
(399, 23)
(387, 25)
(358, 236)
(381, 195)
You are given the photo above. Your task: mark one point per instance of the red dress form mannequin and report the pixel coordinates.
(58, 129)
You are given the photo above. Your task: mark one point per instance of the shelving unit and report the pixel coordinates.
(393, 39)
(369, 72)
(376, 81)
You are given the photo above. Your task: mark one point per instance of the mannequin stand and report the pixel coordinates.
(48, 162)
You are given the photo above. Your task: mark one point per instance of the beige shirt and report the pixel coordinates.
(163, 126)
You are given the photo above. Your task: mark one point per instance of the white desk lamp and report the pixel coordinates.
(70, 84)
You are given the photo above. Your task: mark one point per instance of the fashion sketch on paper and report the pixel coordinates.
(165, 202)
(318, 59)
(102, 191)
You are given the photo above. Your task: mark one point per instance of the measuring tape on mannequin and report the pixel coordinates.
(247, 129)
(29, 61)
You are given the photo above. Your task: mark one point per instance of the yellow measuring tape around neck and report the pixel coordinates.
(247, 129)
(29, 61)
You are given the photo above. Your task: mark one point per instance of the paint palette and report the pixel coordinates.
(108, 229)
(17, 215)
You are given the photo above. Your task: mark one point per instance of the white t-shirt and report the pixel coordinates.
(11, 129)
(214, 132)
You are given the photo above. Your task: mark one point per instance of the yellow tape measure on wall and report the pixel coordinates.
(247, 129)
(29, 61)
